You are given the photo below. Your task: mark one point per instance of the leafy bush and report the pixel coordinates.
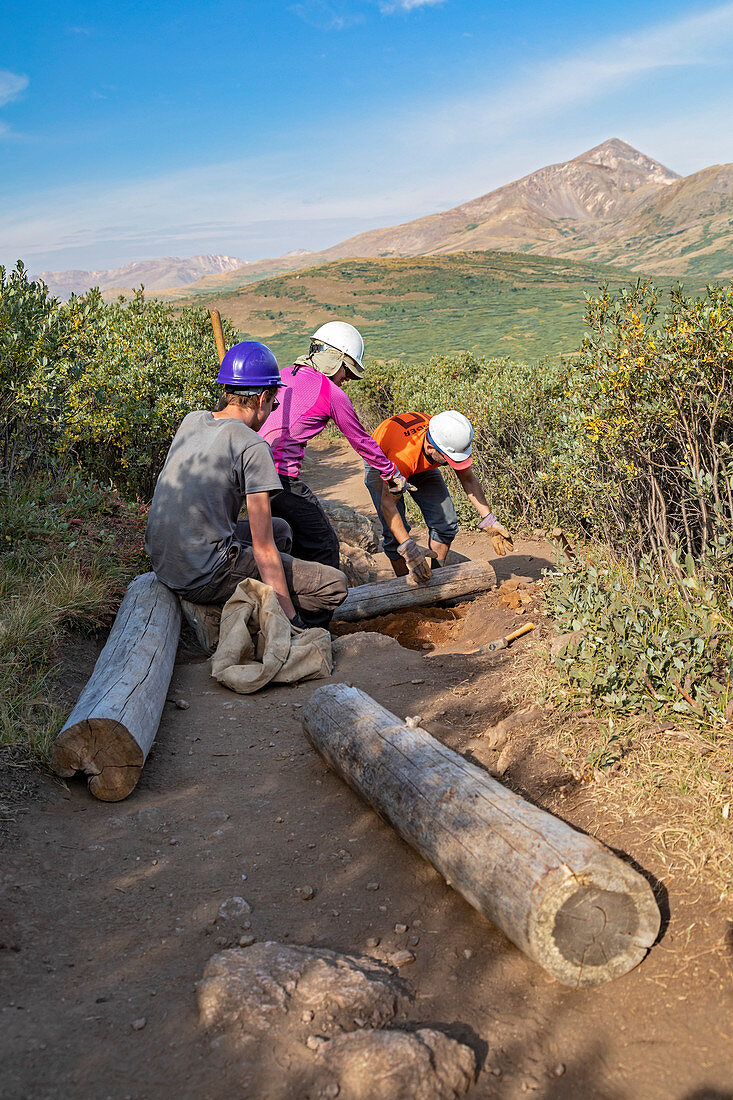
(31, 347)
(99, 386)
(646, 642)
(125, 400)
(649, 419)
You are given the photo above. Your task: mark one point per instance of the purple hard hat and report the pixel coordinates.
(249, 366)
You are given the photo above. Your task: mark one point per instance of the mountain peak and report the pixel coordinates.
(618, 155)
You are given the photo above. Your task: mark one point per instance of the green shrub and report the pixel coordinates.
(649, 419)
(646, 642)
(126, 397)
(100, 387)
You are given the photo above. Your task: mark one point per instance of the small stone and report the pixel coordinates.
(278, 821)
(233, 908)
(413, 941)
(315, 1042)
(382, 908)
(139, 1024)
(172, 841)
(221, 941)
(373, 941)
(359, 1022)
(497, 1071)
(307, 1016)
(401, 958)
(559, 1069)
(306, 892)
(331, 1089)
(400, 928)
(467, 953)
(247, 940)
(311, 845)
(182, 704)
(372, 886)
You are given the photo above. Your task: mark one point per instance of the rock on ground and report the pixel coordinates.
(318, 990)
(352, 527)
(359, 565)
(420, 1065)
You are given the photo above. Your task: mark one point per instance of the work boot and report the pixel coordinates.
(204, 619)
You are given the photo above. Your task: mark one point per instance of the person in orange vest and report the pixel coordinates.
(419, 445)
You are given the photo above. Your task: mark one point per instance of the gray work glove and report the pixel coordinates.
(415, 560)
(398, 484)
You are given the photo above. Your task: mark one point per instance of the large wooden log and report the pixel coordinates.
(562, 897)
(110, 730)
(449, 583)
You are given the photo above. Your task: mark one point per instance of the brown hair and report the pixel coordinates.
(244, 400)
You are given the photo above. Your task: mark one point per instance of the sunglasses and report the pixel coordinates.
(275, 404)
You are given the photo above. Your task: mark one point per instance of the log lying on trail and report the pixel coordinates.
(110, 730)
(562, 897)
(449, 583)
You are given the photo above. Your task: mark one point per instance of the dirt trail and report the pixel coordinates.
(107, 910)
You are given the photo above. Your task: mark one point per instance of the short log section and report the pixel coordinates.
(109, 733)
(449, 583)
(562, 897)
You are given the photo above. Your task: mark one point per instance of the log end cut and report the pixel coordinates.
(597, 925)
(105, 751)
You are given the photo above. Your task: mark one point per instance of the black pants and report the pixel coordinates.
(314, 539)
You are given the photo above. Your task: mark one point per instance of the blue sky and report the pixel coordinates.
(136, 130)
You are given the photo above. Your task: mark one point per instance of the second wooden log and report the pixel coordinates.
(449, 583)
(562, 897)
(110, 730)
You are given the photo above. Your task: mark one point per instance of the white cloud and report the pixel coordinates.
(11, 86)
(388, 7)
(579, 79)
(327, 15)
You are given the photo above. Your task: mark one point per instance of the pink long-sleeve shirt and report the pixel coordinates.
(308, 402)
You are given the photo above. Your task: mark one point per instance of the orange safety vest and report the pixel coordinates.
(401, 439)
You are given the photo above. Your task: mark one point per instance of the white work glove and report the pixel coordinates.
(501, 540)
(415, 560)
(398, 484)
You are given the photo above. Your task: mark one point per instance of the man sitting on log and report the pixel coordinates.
(216, 463)
(419, 445)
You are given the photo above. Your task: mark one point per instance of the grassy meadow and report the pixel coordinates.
(491, 304)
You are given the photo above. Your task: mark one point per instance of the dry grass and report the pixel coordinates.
(672, 782)
(34, 610)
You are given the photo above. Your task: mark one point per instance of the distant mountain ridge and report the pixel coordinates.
(170, 271)
(611, 204)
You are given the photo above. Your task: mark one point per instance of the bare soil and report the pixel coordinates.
(107, 909)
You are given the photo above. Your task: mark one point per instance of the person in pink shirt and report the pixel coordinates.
(313, 396)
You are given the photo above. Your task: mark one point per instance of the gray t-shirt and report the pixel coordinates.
(211, 465)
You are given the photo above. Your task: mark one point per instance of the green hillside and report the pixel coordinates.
(488, 303)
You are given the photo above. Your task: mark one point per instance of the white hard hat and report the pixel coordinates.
(345, 338)
(451, 433)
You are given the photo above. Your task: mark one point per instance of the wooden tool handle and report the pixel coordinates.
(218, 333)
(518, 633)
